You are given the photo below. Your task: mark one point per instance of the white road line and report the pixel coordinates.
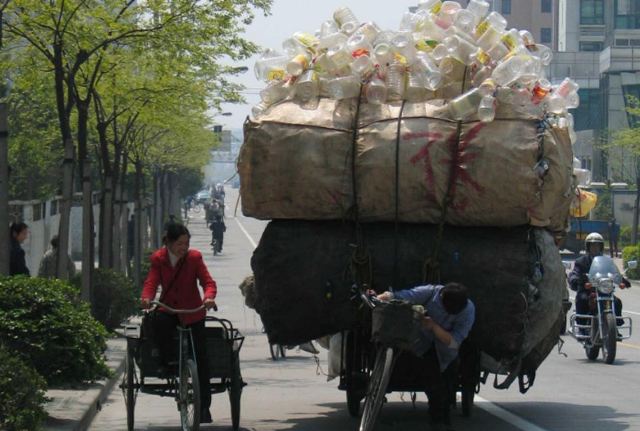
(506, 415)
(253, 243)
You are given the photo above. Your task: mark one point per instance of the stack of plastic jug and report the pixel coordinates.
(347, 58)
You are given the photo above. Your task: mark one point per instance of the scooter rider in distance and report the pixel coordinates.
(594, 245)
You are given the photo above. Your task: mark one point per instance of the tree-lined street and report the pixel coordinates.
(569, 392)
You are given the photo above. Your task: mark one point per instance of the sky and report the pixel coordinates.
(289, 16)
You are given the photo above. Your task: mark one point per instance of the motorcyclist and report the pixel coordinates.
(594, 245)
(218, 228)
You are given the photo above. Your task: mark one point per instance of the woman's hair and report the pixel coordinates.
(16, 228)
(175, 231)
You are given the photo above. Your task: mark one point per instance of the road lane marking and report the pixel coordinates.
(253, 243)
(506, 415)
(633, 346)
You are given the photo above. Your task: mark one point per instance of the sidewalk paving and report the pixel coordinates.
(73, 409)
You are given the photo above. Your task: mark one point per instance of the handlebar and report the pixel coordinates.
(181, 311)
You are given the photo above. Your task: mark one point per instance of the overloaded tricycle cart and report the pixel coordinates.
(144, 374)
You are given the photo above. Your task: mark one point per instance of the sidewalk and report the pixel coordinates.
(73, 409)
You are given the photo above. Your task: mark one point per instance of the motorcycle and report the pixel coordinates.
(599, 329)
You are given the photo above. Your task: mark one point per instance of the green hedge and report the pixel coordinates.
(51, 329)
(631, 252)
(114, 296)
(22, 394)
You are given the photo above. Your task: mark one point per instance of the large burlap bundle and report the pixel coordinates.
(299, 163)
(305, 295)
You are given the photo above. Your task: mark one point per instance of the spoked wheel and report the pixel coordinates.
(592, 349)
(189, 397)
(609, 338)
(235, 393)
(377, 388)
(129, 381)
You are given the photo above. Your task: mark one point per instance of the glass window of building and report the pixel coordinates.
(545, 6)
(506, 7)
(592, 12)
(545, 35)
(627, 14)
(591, 46)
(587, 115)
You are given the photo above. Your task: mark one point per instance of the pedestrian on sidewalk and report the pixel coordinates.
(49, 263)
(178, 270)
(18, 232)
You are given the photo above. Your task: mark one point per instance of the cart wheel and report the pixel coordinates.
(353, 402)
(377, 388)
(235, 392)
(189, 397)
(275, 351)
(129, 379)
(467, 400)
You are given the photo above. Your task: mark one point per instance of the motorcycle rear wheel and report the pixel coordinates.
(609, 338)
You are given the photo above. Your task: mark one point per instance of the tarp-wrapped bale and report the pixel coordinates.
(297, 163)
(514, 275)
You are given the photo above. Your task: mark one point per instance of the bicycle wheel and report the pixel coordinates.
(377, 388)
(129, 379)
(189, 397)
(235, 392)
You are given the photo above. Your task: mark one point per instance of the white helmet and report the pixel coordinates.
(594, 238)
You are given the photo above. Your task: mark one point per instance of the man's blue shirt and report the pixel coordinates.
(458, 325)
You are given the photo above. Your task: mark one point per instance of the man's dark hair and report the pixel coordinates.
(55, 241)
(454, 297)
(175, 231)
(16, 228)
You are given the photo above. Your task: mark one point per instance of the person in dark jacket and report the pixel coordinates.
(594, 245)
(218, 228)
(18, 232)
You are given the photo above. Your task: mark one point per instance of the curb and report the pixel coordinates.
(75, 409)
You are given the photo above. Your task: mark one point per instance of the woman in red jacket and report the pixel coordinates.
(178, 269)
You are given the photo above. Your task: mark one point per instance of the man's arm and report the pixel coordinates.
(416, 295)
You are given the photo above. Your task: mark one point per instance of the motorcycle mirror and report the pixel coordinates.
(632, 264)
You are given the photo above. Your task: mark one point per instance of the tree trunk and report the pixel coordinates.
(4, 188)
(87, 202)
(106, 200)
(634, 226)
(64, 114)
(137, 261)
(157, 210)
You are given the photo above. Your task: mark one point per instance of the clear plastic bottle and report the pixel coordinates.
(271, 68)
(543, 52)
(344, 87)
(359, 45)
(383, 54)
(432, 6)
(409, 22)
(300, 43)
(509, 42)
(447, 13)
(306, 86)
(328, 27)
(416, 89)
(465, 105)
(376, 91)
(298, 64)
(274, 92)
(479, 9)
(465, 21)
(403, 45)
(362, 66)
(396, 81)
(566, 87)
(487, 87)
(440, 52)
(258, 110)
(330, 40)
(540, 90)
(369, 30)
(346, 19)
(460, 48)
(513, 69)
(487, 109)
(339, 57)
(495, 21)
(432, 74)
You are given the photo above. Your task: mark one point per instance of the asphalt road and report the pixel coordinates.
(570, 392)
